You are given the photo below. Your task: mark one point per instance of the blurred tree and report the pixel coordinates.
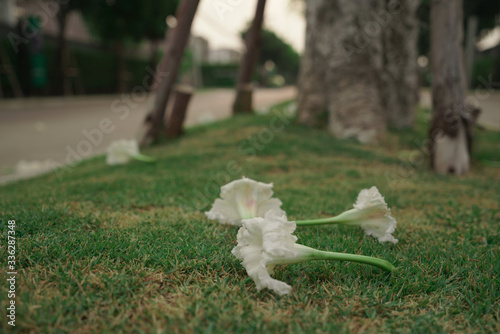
(452, 120)
(244, 89)
(358, 71)
(118, 22)
(399, 36)
(168, 69)
(273, 48)
(486, 11)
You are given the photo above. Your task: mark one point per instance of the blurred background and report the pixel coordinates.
(65, 65)
(78, 47)
(102, 47)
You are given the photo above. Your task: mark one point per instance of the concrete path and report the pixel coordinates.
(36, 134)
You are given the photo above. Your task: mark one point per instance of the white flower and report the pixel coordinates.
(370, 212)
(122, 151)
(375, 217)
(265, 242)
(244, 199)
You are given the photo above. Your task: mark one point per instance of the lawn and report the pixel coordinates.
(129, 249)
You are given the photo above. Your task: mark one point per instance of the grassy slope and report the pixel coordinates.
(128, 248)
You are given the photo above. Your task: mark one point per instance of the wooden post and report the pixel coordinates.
(243, 100)
(176, 119)
(169, 67)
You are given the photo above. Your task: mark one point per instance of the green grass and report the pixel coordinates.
(128, 248)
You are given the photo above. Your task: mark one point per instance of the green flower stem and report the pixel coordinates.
(344, 217)
(304, 254)
(372, 261)
(144, 158)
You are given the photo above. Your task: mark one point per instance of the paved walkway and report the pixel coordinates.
(48, 130)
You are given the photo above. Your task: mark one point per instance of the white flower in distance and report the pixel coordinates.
(370, 212)
(244, 199)
(265, 242)
(122, 151)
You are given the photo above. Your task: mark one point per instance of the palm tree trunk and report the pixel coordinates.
(451, 127)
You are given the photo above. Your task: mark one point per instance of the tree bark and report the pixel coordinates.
(344, 70)
(166, 73)
(253, 40)
(176, 120)
(358, 72)
(399, 90)
(312, 95)
(452, 120)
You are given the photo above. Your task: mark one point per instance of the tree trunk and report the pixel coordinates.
(176, 120)
(253, 40)
(399, 90)
(166, 73)
(312, 95)
(452, 121)
(344, 71)
(470, 48)
(63, 84)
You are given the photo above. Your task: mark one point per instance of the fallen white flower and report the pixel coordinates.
(244, 199)
(374, 215)
(370, 212)
(122, 151)
(265, 242)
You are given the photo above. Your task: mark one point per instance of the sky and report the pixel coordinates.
(221, 21)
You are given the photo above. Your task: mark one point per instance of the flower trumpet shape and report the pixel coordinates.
(370, 212)
(244, 199)
(265, 242)
(121, 151)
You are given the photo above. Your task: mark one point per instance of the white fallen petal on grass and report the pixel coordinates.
(370, 212)
(266, 242)
(122, 151)
(244, 199)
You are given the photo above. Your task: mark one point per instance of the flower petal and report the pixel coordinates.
(262, 241)
(224, 212)
(244, 198)
(377, 220)
(271, 204)
(120, 151)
